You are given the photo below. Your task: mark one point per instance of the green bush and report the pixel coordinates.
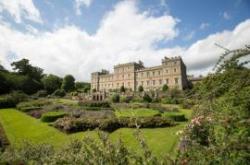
(70, 125)
(32, 105)
(116, 98)
(177, 117)
(126, 99)
(147, 98)
(59, 93)
(52, 116)
(41, 93)
(102, 104)
(12, 99)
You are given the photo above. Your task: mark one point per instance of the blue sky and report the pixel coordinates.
(172, 27)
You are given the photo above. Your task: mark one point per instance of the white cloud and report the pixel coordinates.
(21, 9)
(204, 25)
(203, 54)
(80, 3)
(71, 50)
(226, 15)
(124, 35)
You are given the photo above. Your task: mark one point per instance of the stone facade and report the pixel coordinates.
(172, 72)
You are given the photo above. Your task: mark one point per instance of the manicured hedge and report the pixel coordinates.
(69, 124)
(32, 105)
(52, 116)
(177, 117)
(12, 99)
(103, 104)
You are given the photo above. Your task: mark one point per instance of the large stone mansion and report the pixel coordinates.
(171, 72)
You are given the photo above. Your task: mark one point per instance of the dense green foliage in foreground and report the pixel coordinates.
(219, 132)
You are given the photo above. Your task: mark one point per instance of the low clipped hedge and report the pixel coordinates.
(52, 116)
(69, 124)
(102, 104)
(28, 106)
(12, 99)
(177, 117)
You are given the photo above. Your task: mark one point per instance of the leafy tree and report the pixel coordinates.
(24, 68)
(51, 83)
(4, 85)
(140, 88)
(68, 83)
(122, 89)
(82, 86)
(165, 88)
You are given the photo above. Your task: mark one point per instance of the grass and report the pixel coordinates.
(19, 127)
(140, 112)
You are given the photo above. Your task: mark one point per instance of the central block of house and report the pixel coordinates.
(171, 72)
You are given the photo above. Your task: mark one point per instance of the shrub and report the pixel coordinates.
(147, 98)
(126, 99)
(187, 103)
(140, 88)
(122, 89)
(177, 117)
(102, 104)
(59, 93)
(169, 100)
(41, 93)
(52, 116)
(70, 125)
(12, 99)
(164, 88)
(116, 98)
(32, 105)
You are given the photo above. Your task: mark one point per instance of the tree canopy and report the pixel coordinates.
(68, 83)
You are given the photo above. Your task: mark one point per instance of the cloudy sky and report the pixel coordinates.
(81, 36)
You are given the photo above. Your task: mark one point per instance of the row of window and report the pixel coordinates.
(142, 83)
(153, 73)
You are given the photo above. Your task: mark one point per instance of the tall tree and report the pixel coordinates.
(51, 83)
(68, 83)
(23, 67)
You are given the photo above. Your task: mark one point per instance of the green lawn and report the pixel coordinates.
(19, 126)
(129, 112)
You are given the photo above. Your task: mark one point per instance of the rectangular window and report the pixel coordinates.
(159, 72)
(174, 69)
(147, 74)
(153, 73)
(160, 82)
(176, 80)
(153, 82)
(147, 82)
(166, 81)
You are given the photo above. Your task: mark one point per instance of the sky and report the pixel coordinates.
(82, 36)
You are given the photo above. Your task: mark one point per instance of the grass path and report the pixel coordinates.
(19, 127)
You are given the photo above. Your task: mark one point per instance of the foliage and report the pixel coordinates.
(32, 105)
(219, 131)
(122, 89)
(41, 93)
(69, 124)
(52, 116)
(68, 83)
(165, 88)
(140, 88)
(116, 98)
(51, 83)
(126, 99)
(103, 104)
(12, 99)
(147, 98)
(86, 151)
(24, 68)
(82, 86)
(59, 93)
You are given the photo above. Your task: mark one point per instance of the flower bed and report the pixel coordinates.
(69, 124)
